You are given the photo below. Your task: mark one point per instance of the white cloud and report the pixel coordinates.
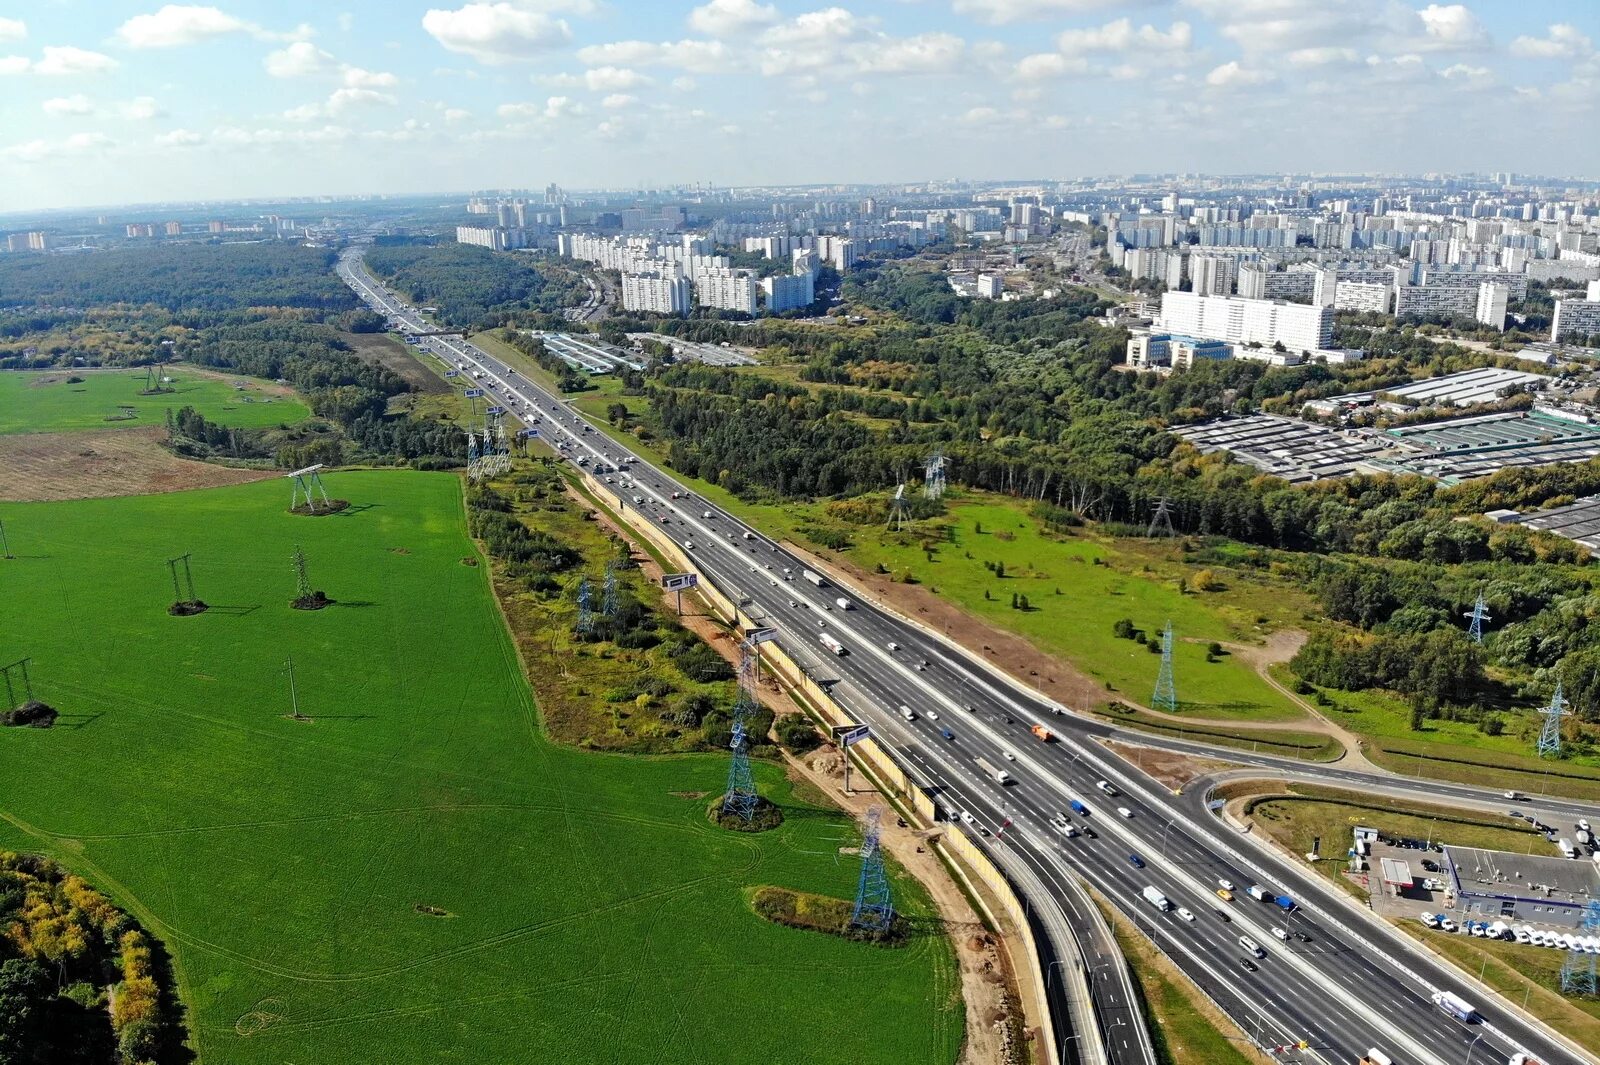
(517, 110)
(1000, 12)
(835, 39)
(1452, 26)
(12, 29)
(1231, 75)
(726, 18)
(77, 144)
(683, 83)
(456, 114)
(619, 100)
(1323, 57)
(698, 57)
(1048, 65)
(304, 113)
(496, 33)
(926, 53)
(1282, 25)
(978, 116)
(1120, 36)
(65, 61)
(1460, 75)
(302, 59)
(179, 138)
(346, 98)
(14, 64)
(613, 79)
(561, 107)
(180, 24)
(356, 78)
(140, 109)
(61, 106)
(1564, 41)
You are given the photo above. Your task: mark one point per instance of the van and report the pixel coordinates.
(1567, 849)
(1105, 786)
(908, 713)
(1252, 947)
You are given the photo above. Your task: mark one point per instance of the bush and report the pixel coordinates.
(1123, 629)
(796, 732)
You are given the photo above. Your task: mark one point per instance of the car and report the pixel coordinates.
(969, 708)
(1105, 786)
(933, 715)
(1185, 913)
(1429, 919)
(1430, 865)
(1226, 885)
(1446, 924)
(1091, 833)
(1513, 795)
(1224, 894)
(1281, 933)
(1248, 965)
(1223, 914)
(1583, 826)
(1009, 756)
(1136, 861)
(1124, 811)
(966, 815)
(893, 646)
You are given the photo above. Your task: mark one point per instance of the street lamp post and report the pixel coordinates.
(1473, 1046)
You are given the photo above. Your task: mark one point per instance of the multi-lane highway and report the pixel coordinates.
(1331, 976)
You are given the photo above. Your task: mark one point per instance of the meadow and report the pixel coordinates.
(416, 872)
(46, 401)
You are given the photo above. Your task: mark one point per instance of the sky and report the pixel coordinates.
(109, 103)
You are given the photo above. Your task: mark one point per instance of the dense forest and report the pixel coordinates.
(179, 277)
(80, 982)
(474, 287)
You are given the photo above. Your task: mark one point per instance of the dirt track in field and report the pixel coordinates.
(103, 462)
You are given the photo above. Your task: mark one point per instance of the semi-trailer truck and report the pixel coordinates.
(814, 577)
(1000, 775)
(1156, 899)
(831, 644)
(1456, 1006)
(1041, 732)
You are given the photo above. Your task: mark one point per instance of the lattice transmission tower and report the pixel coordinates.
(899, 509)
(585, 623)
(1479, 614)
(1578, 971)
(874, 909)
(474, 462)
(741, 797)
(302, 582)
(1161, 520)
(933, 475)
(608, 591)
(1550, 736)
(1166, 696)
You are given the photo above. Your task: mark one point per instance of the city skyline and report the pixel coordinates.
(192, 102)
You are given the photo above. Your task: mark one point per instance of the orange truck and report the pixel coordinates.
(1041, 732)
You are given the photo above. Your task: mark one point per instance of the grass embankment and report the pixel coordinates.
(820, 913)
(1309, 746)
(416, 870)
(1187, 1028)
(50, 401)
(1329, 814)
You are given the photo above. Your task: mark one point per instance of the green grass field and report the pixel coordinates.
(34, 401)
(590, 912)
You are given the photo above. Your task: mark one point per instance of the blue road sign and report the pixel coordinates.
(473, 393)
(452, 373)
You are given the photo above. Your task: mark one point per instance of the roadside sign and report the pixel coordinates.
(452, 373)
(473, 393)
(677, 582)
(849, 737)
(494, 410)
(762, 635)
(1216, 804)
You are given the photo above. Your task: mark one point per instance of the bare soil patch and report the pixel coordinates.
(393, 354)
(1169, 769)
(98, 463)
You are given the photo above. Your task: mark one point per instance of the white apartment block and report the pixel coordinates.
(1491, 309)
(495, 238)
(730, 290)
(653, 292)
(1239, 321)
(1362, 296)
(1213, 275)
(1575, 319)
(789, 293)
(990, 286)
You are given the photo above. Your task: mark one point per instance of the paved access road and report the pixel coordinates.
(1345, 983)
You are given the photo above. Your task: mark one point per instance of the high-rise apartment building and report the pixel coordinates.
(730, 290)
(1242, 322)
(789, 293)
(655, 292)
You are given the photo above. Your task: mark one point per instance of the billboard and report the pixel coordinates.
(677, 582)
(452, 373)
(494, 410)
(762, 635)
(473, 393)
(853, 735)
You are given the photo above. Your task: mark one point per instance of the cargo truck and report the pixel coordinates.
(1259, 893)
(1078, 807)
(1041, 732)
(1455, 1006)
(831, 644)
(844, 604)
(1000, 776)
(907, 713)
(1375, 1057)
(814, 577)
(1285, 903)
(1156, 899)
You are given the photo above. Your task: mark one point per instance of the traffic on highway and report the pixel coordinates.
(1288, 957)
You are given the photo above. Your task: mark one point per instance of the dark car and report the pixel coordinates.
(1136, 861)
(1248, 965)
(1225, 918)
(1091, 833)
(1430, 865)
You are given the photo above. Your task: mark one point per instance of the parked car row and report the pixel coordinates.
(1521, 933)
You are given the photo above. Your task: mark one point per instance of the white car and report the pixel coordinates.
(1226, 885)
(966, 816)
(1009, 756)
(1124, 811)
(1185, 914)
(933, 715)
(893, 646)
(1281, 934)
(1446, 924)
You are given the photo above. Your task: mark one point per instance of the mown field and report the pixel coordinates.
(41, 401)
(416, 874)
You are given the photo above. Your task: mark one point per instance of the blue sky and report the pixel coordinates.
(105, 103)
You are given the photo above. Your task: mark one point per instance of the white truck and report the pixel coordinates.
(1259, 893)
(844, 604)
(814, 577)
(831, 644)
(1156, 899)
(1000, 776)
(1456, 1006)
(907, 713)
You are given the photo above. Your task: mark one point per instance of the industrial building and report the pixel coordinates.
(1534, 889)
(1289, 448)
